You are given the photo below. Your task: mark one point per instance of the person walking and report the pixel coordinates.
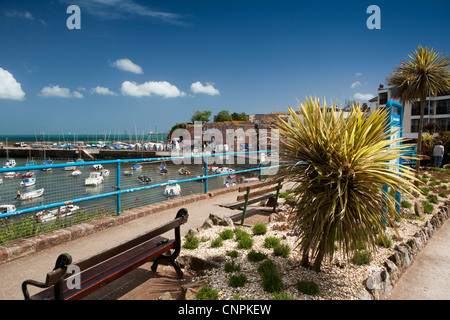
(438, 154)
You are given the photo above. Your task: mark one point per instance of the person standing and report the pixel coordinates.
(438, 154)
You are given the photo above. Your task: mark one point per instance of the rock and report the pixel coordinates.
(197, 264)
(227, 222)
(418, 209)
(404, 255)
(190, 290)
(192, 232)
(165, 296)
(208, 224)
(216, 220)
(393, 271)
(364, 295)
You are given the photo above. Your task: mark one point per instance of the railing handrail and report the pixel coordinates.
(119, 191)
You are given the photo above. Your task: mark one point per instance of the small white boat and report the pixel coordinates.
(172, 190)
(127, 172)
(224, 170)
(105, 172)
(5, 208)
(136, 167)
(1, 180)
(62, 212)
(94, 179)
(76, 173)
(29, 195)
(47, 162)
(250, 179)
(70, 168)
(10, 163)
(184, 171)
(229, 182)
(10, 174)
(97, 167)
(27, 182)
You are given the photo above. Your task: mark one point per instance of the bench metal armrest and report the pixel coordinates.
(33, 283)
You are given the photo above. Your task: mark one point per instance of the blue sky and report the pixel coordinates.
(140, 64)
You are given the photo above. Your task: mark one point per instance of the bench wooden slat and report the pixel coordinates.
(259, 185)
(257, 193)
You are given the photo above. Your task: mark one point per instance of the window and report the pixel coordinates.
(443, 107)
(443, 124)
(415, 109)
(383, 98)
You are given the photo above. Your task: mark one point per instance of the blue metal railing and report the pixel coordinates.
(118, 187)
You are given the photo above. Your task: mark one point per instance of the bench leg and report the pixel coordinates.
(171, 260)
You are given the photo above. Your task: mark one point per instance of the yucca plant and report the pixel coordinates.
(339, 166)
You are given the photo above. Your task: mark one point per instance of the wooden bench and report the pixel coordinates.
(264, 190)
(107, 266)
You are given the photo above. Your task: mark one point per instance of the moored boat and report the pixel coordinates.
(172, 190)
(5, 208)
(145, 179)
(27, 182)
(29, 195)
(94, 179)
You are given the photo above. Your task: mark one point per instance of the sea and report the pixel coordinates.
(150, 137)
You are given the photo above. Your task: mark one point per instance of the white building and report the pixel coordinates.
(437, 110)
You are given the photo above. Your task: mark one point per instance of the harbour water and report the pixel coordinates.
(59, 185)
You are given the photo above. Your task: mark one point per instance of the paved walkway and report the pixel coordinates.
(428, 278)
(35, 266)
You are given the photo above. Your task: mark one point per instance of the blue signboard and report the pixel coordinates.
(395, 111)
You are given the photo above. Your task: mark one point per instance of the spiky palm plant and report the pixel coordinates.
(339, 166)
(425, 72)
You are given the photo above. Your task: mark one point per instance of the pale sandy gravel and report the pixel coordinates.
(339, 279)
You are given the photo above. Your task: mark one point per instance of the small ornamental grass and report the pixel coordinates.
(191, 242)
(236, 281)
(308, 287)
(259, 229)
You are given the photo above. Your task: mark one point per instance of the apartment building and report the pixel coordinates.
(437, 110)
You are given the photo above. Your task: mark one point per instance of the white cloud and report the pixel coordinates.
(359, 74)
(127, 65)
(355, 84)
(147, 89)
(56, 91)
(24, 15)
(363, 96)
(103, 91)
(9, 87)
(198, 87)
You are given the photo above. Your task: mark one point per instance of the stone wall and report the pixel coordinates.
(380, 284)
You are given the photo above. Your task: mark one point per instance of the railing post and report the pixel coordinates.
(206, 174)
(118, 188)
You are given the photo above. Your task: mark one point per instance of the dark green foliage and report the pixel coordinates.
(308, 287)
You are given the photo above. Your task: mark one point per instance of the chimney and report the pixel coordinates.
(380, 87)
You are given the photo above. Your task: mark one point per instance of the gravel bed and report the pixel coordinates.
(339, 279)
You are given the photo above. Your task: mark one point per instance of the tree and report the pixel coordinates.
(222, 116)
(338, 167)
(176, 126)
(201, 116)
(425, 72)
(239, 116)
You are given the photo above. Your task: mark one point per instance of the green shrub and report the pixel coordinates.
(362, 257)
(442, 194)
(232, 254)
(241, 234)
(387, 243)
(237, 280)
(259, 229)
(444, 187)
(308, 287)
(433, 198)
(271, 242)
(271, 281)
(282, 250)
(444, 181)
(406, 204)
(216, 243)
(255, 256)
(425, 190)
(282, 295)
(191, 242)
(206, 293)
(286, 195)
(231, 267)
(245, 243)
(427, 207)
(267, 266)
(227, 234)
